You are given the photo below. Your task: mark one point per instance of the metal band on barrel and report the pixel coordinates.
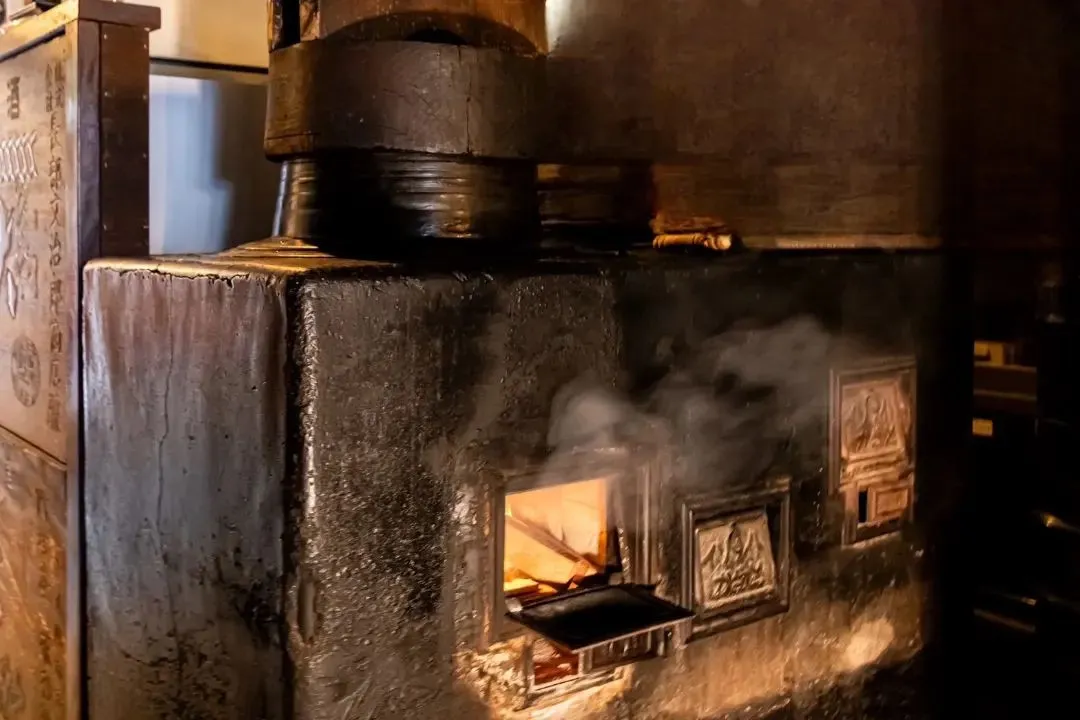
(402, 96)
(352, 203)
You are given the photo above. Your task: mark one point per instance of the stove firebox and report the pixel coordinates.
(577, 572)
(555, 539)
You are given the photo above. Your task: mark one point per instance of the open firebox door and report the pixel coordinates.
(564, 570)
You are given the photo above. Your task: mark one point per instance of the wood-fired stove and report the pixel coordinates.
(405, 459)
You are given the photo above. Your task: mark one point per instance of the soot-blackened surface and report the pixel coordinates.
(421, 393)
(411, 387)
(404, 401)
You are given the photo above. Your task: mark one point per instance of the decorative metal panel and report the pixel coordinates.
(872, 429)
(736, 557)
(875, 423)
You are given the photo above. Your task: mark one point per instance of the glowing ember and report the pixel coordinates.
(550, 665)
(555, 537)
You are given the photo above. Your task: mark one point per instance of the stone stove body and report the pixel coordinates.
(299, 469)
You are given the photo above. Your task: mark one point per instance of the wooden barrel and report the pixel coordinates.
(516, 25)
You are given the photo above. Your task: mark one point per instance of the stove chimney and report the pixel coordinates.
(412, 120)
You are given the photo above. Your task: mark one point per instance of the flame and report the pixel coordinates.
(555, 536)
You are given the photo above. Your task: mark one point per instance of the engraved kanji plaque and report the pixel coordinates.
(38, 264)
(37, 323)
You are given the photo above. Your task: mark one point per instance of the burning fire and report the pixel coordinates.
(555, 537)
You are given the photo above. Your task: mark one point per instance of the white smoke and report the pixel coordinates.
(725, 408)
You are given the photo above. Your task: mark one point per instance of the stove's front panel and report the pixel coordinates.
(418, 396)
(425, 409)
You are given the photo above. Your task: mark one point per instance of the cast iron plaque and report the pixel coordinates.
(873, 417)
(873, 446)
(736, 556)
(735, 561)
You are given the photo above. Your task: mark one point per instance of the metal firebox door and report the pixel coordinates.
(73, 186)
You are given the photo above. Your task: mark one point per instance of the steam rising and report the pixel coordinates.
(725, 409)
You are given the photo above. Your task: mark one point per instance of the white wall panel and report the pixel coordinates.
(226, 32)
(211, 187)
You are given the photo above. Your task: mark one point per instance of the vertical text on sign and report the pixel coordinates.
(54, 104)
(13, 99)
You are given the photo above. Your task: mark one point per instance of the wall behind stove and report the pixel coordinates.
(211, 187)
(205, 31)
(805, 116)
(831, 116)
